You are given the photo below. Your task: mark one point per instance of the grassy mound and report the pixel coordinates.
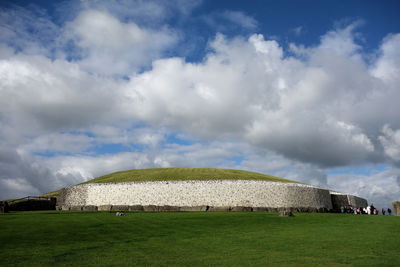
(184, 174)
(179, 174)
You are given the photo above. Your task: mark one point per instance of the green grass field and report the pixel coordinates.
(198, 238)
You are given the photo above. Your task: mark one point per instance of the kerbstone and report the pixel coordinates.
(90, 208)
(104, 207)
(136, 208)
(119, 207)
(77, 207)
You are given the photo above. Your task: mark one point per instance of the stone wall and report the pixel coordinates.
(33, 204)
(396, 208)
(357, 202)
(226, 195)
(342, 200)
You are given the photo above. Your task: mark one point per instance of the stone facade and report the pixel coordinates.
(396, 208)
(229, 195)
(342, 200)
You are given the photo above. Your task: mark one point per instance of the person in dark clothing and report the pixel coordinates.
(383, 211)
(372, 209)
(389, 211)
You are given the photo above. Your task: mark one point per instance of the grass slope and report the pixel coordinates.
(197, 239)
(181, 174)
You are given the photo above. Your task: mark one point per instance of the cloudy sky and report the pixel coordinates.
(305, 90)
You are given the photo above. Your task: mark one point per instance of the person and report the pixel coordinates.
(389, 211)
(383, 211)
(372, 209)
(369, 210)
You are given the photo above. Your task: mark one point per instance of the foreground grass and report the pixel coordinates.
(252, 239)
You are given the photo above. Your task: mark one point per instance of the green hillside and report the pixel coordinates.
(184, 174)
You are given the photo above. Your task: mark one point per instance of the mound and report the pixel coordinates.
(179, 174)
(198, 189)
(184, 174)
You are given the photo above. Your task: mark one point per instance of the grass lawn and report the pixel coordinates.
(197, 238)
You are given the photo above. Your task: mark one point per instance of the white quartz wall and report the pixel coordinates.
(199, 193)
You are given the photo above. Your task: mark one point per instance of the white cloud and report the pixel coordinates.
(380, 188)
(301, 109)
(340, 41)
(390, 141)
(75, 169)
(20, 176)
(113, 47)
(241, 19)
(387, 66)
(52, 95)
(248, 104)
(230, 20)
(57, 142)
(298, 30)
(88, 167)
(16, 187)
(154, 12)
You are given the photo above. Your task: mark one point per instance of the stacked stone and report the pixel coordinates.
(396, 208)
(224, 195)
(343, 200)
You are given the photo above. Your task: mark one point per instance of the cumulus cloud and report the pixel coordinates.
(53, 95)
(380, 188)
(112, 47)
(79, 168)
(20, 177)
(58, 142)
(391, 142)
(301, 109)
(102, 77)
(387, 66)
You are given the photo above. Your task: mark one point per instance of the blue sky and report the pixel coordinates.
(305, 90)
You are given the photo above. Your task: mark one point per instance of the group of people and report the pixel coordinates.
(365, 210)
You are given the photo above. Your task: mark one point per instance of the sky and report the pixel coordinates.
(305, 90)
